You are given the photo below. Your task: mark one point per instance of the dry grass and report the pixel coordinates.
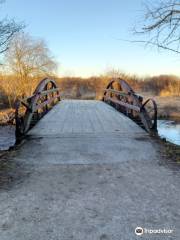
(166, 89)
(7, 116)
(168, 107)
(163, 85)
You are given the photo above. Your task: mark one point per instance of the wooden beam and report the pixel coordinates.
(124, 104)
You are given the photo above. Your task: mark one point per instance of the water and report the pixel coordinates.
(7, 137)
(169, 130)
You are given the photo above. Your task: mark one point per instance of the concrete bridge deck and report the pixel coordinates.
(89, 173)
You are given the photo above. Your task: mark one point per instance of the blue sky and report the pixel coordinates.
(84, 36)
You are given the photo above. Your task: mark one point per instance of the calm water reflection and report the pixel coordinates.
(169, 130)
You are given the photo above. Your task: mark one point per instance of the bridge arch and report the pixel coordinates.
(46, 95)
(121, 96)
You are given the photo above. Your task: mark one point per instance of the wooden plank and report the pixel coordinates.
(120, 93)
(49, 91)
(39, 106)
(129, 106)
(25, 100)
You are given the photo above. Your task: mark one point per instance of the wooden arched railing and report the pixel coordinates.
(29, 110)
(121, 96)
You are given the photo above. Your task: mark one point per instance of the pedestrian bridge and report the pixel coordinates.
(87, 116)
(80, 131)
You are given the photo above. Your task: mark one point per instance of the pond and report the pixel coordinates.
(169, 130)
(7, 137)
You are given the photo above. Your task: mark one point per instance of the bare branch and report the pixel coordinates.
(8, 27)
(162, 22)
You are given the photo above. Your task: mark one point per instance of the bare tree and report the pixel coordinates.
(27, 60)
(8, 27)
(162, 24)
